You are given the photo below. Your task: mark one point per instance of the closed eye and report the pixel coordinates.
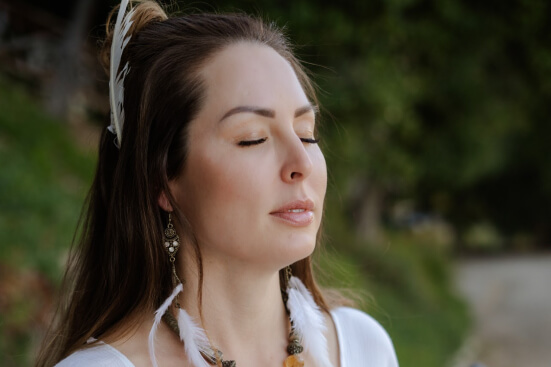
(248, 143)
(309, 140)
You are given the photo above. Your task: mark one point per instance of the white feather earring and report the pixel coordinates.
(116, 78)
(307, 321)
(196, 343)
(158, 317)
(195, 340)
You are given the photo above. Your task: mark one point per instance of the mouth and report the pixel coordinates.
(299, 213)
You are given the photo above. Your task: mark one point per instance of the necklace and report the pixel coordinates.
(214, 355)
(307, 329)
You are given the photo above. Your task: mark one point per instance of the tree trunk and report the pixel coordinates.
(66, 77)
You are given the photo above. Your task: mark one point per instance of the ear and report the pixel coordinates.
(164, 203)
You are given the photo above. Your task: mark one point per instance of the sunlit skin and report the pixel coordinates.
(247, 160)
(252, 189)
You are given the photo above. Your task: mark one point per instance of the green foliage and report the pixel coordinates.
(43, 183)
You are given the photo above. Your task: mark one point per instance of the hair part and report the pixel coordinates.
(118, 267)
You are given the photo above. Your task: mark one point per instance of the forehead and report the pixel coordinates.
(250, 73)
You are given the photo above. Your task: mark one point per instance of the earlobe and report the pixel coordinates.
(164, 203)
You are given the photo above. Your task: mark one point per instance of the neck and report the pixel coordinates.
(242, 309)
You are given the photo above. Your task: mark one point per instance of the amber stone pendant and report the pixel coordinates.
(293, 360)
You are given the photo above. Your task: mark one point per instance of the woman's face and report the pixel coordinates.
(254, 180)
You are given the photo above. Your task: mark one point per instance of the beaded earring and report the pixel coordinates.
(171, 246)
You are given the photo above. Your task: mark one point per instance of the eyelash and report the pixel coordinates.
(248, 143)
(310, 141)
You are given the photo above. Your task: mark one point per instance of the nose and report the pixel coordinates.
(297, 164)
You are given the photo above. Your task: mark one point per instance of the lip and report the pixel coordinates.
(298, 213)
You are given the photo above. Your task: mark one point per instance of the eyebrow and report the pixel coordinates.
(266, 112)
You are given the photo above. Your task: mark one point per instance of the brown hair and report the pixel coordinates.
(118, 266)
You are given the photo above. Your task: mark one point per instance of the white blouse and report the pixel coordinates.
(362, 343)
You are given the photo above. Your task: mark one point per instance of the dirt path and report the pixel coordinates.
(510, 300)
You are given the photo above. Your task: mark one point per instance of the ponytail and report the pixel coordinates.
(145, 12)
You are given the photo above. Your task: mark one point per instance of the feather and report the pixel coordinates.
(308, 321)
(194, 338)
(116, 78)
(158, 316)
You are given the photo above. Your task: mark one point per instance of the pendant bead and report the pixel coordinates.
(294, 347)
(293, 361)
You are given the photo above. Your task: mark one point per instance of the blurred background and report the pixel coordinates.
(435, 126)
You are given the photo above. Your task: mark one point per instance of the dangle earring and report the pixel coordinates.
(294, 348)
(172, 245)
(171, 242)
(196, 343)
(307, 323)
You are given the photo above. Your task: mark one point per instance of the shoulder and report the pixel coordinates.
(351, 320)
(99, 355)
(361, 336)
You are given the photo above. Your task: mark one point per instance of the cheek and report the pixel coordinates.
(219, 186)
(319, 173)
(228, 199)
(231, 179)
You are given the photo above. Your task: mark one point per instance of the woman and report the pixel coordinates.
(205, 209)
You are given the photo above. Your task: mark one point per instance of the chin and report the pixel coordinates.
(281, 251)
(298, 251)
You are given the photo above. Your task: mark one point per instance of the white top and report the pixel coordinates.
(362, 343)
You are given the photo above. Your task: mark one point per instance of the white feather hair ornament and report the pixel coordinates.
(116, 78)
(308, 321)
(193, 336)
